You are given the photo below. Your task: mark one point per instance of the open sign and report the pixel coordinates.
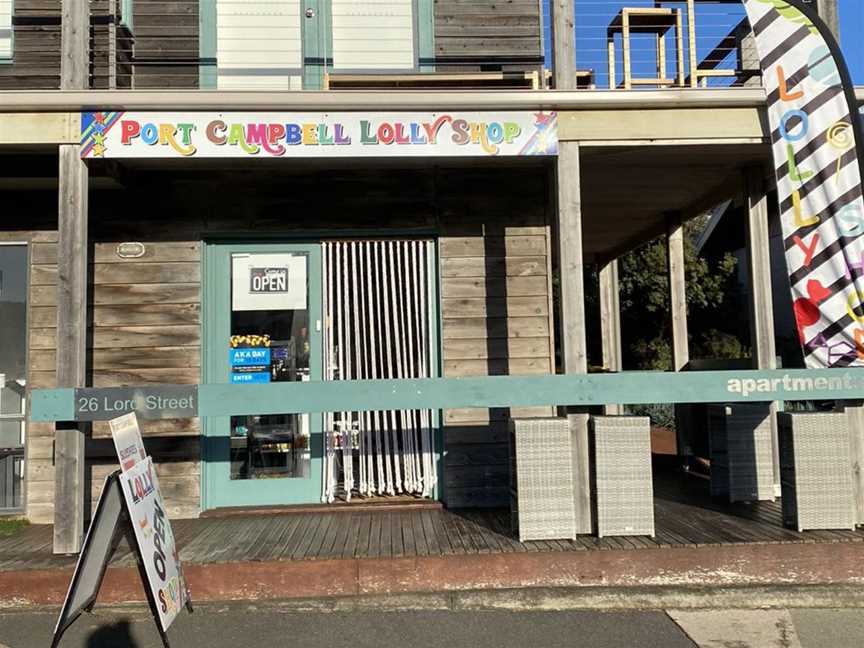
(268, 280)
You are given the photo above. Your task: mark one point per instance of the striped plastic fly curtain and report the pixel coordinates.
(376, 314)
(816, 140)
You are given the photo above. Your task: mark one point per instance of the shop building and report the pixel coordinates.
(248, 223)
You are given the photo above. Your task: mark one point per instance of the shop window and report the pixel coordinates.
(270, 343)
(6, 34)
(373, 35)
(259, 45)
(13, 376)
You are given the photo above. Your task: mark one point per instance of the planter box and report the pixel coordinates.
(541, 478)
(742, 463)
(623, 489)
(815, 470)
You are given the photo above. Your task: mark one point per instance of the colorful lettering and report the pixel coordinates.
(808, 250)
(214, 132)
(129, 130)
(785, 95)
(799, 218)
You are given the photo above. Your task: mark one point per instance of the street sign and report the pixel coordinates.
(151, 402)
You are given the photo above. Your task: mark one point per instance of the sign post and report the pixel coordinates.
(131, 505)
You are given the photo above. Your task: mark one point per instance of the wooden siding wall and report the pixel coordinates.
(146, 312)
(496, 304)
(166, 43)
(479, 35)
(36, 47)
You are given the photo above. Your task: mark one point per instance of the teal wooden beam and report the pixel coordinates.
(426, 35)
(502, 391)
(207, 67)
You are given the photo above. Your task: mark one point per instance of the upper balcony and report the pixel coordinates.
(380, 44)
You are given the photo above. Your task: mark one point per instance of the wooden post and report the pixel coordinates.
(761, 306)
(572, 289)
(610, 324)
(830, 13)
(678, 317)
(71, 290)
(677, 290)
(691, 43)
(564, 44)
(570, 255)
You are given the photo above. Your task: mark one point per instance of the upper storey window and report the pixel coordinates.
(373, 34)
(5, 29)
(289, 45)
(259, 44)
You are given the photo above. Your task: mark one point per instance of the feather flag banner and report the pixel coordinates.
(816, 141)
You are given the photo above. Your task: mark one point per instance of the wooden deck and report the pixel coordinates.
(685, 516)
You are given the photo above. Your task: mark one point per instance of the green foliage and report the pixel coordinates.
(661, 414)
(8, 527)
(644, 295)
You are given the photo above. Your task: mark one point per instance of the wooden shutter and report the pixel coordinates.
(373, 34)
(259, 44)
(5, 29)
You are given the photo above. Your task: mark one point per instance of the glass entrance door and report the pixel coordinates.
(262, 324)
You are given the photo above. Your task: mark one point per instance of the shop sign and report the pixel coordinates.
(249, 357)
(155, 540)
(127, 440)
(119, 134)
(268, 282)
(151, 402)
(250, 377)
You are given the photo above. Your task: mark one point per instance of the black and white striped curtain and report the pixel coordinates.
(377, 326)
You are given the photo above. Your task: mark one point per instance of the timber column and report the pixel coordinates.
(610, 325)
(678, 315)
(72, 253)
(761, 306)
(570, 265)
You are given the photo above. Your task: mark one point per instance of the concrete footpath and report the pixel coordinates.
(272, 624)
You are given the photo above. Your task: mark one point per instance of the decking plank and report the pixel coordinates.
(309, 528)
(352, 537)
(397, 542)
(420, 540)
(321, 536)
(408, 540)
(431, 534)
(375, 536)
(364, 535)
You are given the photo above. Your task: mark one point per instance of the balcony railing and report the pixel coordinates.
(386, 44)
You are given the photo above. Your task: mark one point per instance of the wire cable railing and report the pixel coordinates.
(293, 45)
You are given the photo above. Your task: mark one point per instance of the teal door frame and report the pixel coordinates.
(217, 487)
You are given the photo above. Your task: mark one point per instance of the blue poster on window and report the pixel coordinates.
(250, 378)
(249, 357)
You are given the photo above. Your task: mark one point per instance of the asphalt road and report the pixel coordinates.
(421, 629)
(238, 626)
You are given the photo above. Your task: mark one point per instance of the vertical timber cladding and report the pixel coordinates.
(495, 291)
